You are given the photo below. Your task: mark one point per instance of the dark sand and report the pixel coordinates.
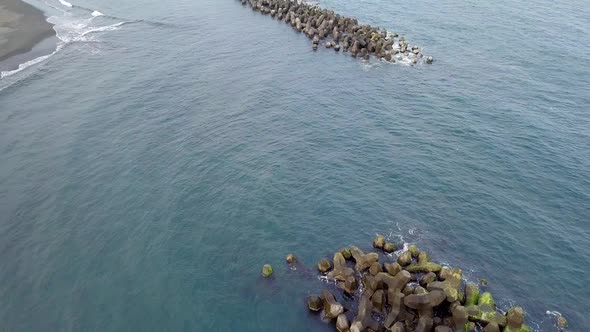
(22, 26)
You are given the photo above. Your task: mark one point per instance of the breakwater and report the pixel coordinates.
(338, 32)
(404, 291)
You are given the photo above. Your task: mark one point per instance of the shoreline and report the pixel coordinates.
(22, 28)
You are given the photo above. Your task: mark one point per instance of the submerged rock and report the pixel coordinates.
(515, 321)
(378, 300)
(363, 261)
(379, 241)
(561, 322)
(471, 294)
(389, 247)
(341, 271)
(485, 311)
(331, 307)
(424, 304)
(363, 319)
(350, 285)
(343, 275)
(392, 268)
(424, 301)
(460, 319)
(342, 323)
(398, 308)
(492, 327)
(398, 327)
(394, 284)
(267, 270)
(424, 264)
(427, 279)
(324, 265)
(375, 268)
(405, 258)
(291, 259)
(314, 303)
(346, 253)
(451, 284)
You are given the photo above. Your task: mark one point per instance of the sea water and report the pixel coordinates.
(167, 150)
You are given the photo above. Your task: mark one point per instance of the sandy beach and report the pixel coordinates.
(22, 26)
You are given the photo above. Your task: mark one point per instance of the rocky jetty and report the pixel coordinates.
(340, 32)
(405, 291)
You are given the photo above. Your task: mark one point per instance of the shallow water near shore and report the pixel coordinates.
(38, 53)
(168, 150)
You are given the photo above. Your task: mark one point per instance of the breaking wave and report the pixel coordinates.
(65, 3)
(69, 28)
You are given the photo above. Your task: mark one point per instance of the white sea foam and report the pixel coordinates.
(368, 64)
(111, 27)
(327, 280)
(403, 249)
(25, 65)
(553, 313)
(72, 29)
(54, 6)
(68, 29)
(65, 3)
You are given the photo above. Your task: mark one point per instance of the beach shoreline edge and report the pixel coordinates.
(22, 27)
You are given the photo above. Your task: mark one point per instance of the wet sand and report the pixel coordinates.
(22, 26)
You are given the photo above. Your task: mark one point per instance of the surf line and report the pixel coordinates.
(97, 13)
(65, 3)
(63, 42)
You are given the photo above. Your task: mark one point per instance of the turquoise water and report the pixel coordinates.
(149, 169)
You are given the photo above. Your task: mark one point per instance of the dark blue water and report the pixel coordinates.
(149, 169)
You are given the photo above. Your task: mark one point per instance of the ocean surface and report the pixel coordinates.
(168, 149)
